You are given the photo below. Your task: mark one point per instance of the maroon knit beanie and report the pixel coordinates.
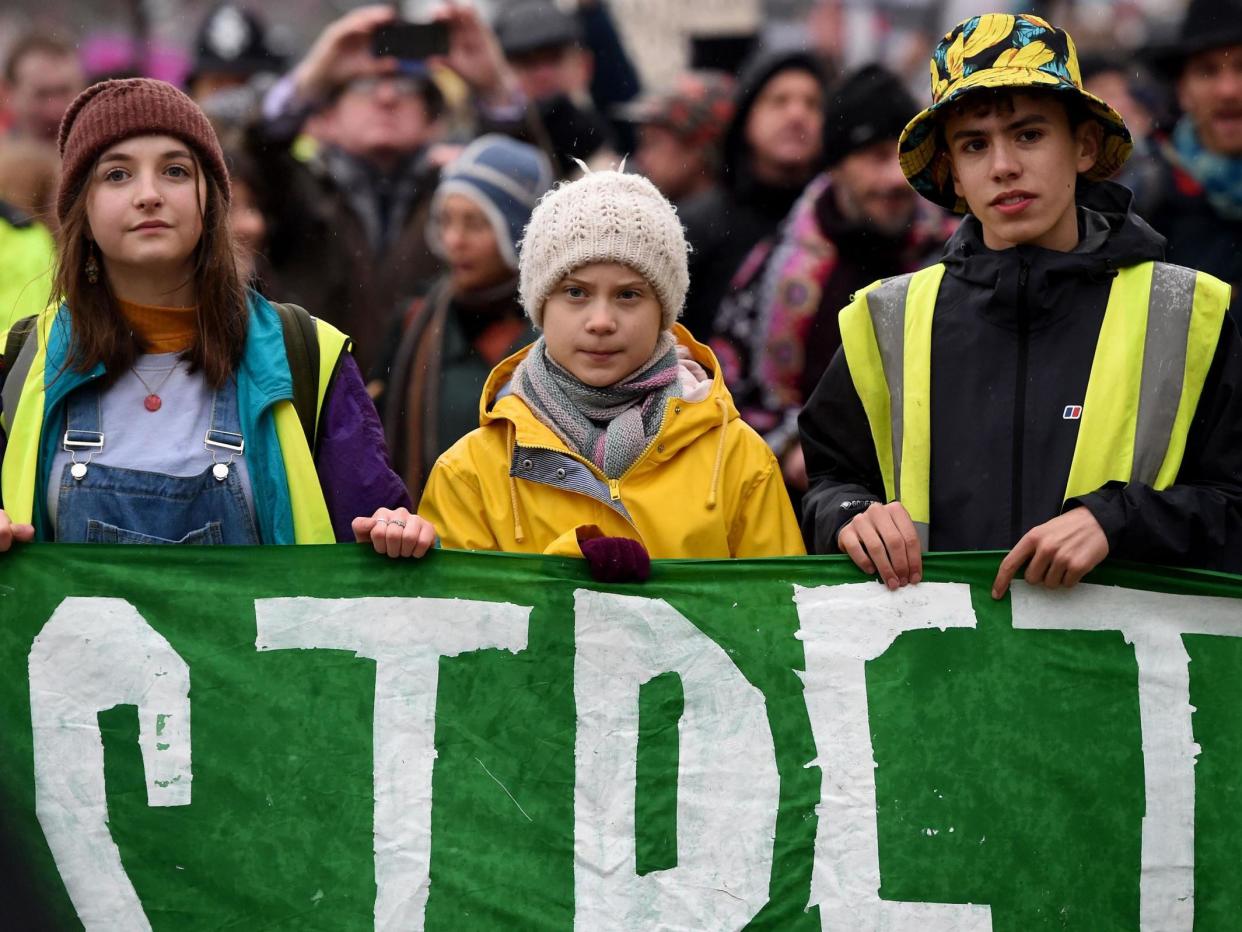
(110, 111)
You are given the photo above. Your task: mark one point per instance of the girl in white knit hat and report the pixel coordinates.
(612, 436)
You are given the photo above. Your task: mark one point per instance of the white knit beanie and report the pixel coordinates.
(604, 216)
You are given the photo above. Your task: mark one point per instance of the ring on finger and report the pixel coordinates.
(385, 520)
(397, 521)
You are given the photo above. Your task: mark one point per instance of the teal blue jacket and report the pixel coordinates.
(263, 378)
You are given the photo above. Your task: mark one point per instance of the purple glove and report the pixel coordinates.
(616, 559)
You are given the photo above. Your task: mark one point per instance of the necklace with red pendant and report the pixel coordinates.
(153, 402)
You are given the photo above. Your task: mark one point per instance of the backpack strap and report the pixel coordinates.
(18, 332)
(15, 218)
(302, 350)
(18, 356)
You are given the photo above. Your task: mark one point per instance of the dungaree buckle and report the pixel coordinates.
(233, 444)
(75, 440)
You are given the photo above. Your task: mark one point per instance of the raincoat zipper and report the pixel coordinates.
(614, 485)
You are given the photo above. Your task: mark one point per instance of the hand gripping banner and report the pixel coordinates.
(318, 738)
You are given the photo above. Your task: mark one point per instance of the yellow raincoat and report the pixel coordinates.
(707, 486)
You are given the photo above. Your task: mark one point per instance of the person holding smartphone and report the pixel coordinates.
(348, 233)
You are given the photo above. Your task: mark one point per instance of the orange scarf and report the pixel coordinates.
(161, 329)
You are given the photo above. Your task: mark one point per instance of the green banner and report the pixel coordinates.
(320, 738)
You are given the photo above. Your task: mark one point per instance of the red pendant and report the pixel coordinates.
(152, 402)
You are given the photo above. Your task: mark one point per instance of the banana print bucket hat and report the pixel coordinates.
(1000, 50)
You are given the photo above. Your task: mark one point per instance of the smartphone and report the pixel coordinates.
(411, 41)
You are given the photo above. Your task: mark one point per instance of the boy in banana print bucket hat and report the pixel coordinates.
(1050, 388)
(1005, 53)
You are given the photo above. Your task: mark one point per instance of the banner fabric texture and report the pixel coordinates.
(318, 738)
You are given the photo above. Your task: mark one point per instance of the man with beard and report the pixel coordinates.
(857, 221)
(772, 148)
(1197, 202)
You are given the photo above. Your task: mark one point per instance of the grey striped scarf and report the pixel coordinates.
(612, 425)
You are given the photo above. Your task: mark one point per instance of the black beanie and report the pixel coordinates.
(865, 107)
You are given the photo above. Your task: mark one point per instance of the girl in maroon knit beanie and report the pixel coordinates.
(158, 400)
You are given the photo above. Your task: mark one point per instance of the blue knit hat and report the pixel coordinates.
(505, 179)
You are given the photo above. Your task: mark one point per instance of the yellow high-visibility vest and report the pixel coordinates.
(1156, 344)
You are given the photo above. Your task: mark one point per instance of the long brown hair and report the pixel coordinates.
(100, 332)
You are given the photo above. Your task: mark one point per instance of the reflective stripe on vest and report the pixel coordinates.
(23, 424)
(888, 330)
(1135, 418)
(311, 521)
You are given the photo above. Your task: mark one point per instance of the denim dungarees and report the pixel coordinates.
(112, 505)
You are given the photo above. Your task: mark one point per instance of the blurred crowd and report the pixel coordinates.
(387, 194)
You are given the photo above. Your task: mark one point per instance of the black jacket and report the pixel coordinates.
(1013, 339)
(724, 223)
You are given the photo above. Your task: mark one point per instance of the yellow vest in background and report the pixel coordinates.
(27, 254)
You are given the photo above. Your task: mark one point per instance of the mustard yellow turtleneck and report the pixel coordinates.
(161, 329)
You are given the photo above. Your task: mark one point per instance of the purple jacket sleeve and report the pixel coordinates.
(352, 460)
